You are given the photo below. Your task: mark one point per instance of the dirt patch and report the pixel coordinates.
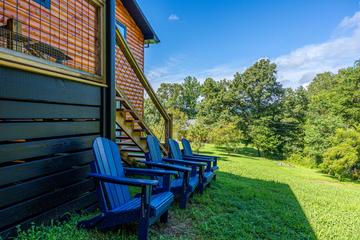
(176, 227)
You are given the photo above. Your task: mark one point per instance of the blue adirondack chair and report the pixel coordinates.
(116, 204)
(187, 152)
(190, 174)
(208, 175)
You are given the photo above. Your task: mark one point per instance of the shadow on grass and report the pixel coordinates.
(244, 208)
(249, 152)
(233, 207)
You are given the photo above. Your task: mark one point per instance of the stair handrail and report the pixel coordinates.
(135, 113)
(145, 83)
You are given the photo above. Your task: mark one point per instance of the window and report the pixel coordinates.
(122, 28)
(44, 3)
(66, 33)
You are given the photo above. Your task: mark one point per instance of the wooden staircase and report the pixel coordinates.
(131, 131)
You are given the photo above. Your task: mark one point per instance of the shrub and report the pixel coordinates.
(342, 159)
(299, 158)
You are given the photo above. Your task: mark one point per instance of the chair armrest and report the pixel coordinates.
(166, 166)
(188, 163)
(124, 181)
(149, 172)
(194, 158)
(205, 156)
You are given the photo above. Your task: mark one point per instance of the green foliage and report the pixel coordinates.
(154, 119)
(255, 94)
(183, 96)
(226, 135)
(318, 132)
(293, 117)
(179, 123)
(198, 134)
(264, 138)
(214, 98)
(342, 158)
(191, 94)
(298, 124)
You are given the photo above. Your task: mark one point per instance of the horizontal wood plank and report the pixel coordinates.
(20, 192)
(29, 110)
(20, 151)
(22, 85)
(23, 171)
(15, 214)
(89, 199)
(31, 130)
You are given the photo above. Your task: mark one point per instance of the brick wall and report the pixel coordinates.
(125, 77)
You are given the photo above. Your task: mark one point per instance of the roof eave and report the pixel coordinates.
(135, 11)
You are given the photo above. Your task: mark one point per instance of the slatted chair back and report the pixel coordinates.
(154, 149)
(186, 147)
(175, 151)
(108, 162)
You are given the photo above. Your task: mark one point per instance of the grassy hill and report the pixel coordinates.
(253, 198)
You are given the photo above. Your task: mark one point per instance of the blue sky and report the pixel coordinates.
(208, 38)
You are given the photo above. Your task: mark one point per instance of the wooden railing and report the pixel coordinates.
(145, 83)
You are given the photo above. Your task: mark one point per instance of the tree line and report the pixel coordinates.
(316, 126)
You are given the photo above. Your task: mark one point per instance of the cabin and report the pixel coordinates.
(70, 71)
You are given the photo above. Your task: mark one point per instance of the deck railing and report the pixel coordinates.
(145, 83)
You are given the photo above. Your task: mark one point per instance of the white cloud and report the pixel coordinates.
(173, 17)
(294, 69)
(176, 68)
(341, 50)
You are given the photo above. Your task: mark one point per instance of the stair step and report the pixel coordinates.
(139, 130)
(131, 149)
(123, 137)
(138, 155)
(126, 143)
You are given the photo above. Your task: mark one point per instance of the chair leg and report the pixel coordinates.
(143, 229)
(201, 188)
(164, 217)
(183, 200)
(214, 178)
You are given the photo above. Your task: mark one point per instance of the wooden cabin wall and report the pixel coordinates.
(71, 26)
(47, 126)
(125, 77)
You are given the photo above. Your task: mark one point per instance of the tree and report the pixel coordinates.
(213, 103)
(318, 132)
(154, 119)
(227, 135)
(255, 95)
(179, 123)
(190, 95)
(171, 95)
(198, 134)
(294, 108)
(183, 97)
(264, 138)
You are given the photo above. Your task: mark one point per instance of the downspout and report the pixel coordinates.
(110, 106)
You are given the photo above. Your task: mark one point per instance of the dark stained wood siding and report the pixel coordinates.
(47, 126)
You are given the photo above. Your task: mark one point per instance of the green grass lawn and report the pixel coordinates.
(253, 198)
